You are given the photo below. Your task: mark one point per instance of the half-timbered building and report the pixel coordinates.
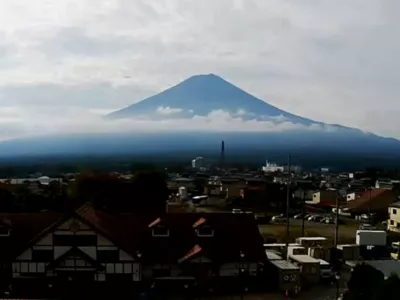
(126, 252)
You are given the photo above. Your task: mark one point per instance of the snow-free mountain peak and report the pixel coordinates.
(202, 94)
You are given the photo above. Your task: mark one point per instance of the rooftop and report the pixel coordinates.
(375, 199)
(284, 265)
(272, 255)
(395, 204)
(302, 258)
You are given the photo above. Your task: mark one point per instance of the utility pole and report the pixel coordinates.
(337, 221)
(369, 204)
(288, 184)
(302, 213)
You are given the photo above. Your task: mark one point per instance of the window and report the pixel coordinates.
(391, 222)
(108, 256)
(160, 231)
(42, 255)
(394, 211)
(75, 240)
(205, 231)
(4, 231)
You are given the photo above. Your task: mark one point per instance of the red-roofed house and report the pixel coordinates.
(48, 251)
(375, 200)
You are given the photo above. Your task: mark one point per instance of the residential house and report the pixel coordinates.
(384, 183)
(351, 196)
(49, 252)
(324, 197)
(306, 195)
(356, 183)
(394, 217)
(373, 200)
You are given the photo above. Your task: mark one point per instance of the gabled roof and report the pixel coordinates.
(77, 253)
(26, 230)
(375, 199)
(395, 204)
(233, 234)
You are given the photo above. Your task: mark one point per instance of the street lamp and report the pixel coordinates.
(337, 277)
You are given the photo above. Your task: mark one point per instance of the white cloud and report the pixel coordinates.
(75, 120)
(330, 61)
(168, 110)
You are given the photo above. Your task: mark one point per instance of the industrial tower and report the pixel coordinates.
(222, 163)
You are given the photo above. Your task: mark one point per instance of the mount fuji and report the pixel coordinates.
(198, 98)
(200, 95)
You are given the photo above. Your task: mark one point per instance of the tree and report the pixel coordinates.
(100, 189)
(364, 283)
(146, 191)
(151, 191)
(7, 200)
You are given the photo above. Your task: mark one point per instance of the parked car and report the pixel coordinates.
(365, 226)
(315, 218)
(327, 220)
(307, 216)
(299, 216)
(331, 220)
(279, 219)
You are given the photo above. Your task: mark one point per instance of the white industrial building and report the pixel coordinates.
(272, 167)
(198, 163)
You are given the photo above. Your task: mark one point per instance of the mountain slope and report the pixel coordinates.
(200, 95)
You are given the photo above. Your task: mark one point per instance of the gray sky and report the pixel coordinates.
(63, 63)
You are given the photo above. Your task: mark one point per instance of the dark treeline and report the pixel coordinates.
(368, 283)
(52, 165)
(146, 191)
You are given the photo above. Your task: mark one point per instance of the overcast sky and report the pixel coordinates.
(73, 60)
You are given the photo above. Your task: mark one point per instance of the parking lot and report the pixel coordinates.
(347, 231)
(272, 230)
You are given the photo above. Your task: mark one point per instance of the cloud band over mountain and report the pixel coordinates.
(17, 124)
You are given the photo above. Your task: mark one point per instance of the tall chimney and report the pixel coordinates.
(222, 154)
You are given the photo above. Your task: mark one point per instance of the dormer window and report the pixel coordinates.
(4, 231)
(203, 228)
(5, 228)
(158, 228)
